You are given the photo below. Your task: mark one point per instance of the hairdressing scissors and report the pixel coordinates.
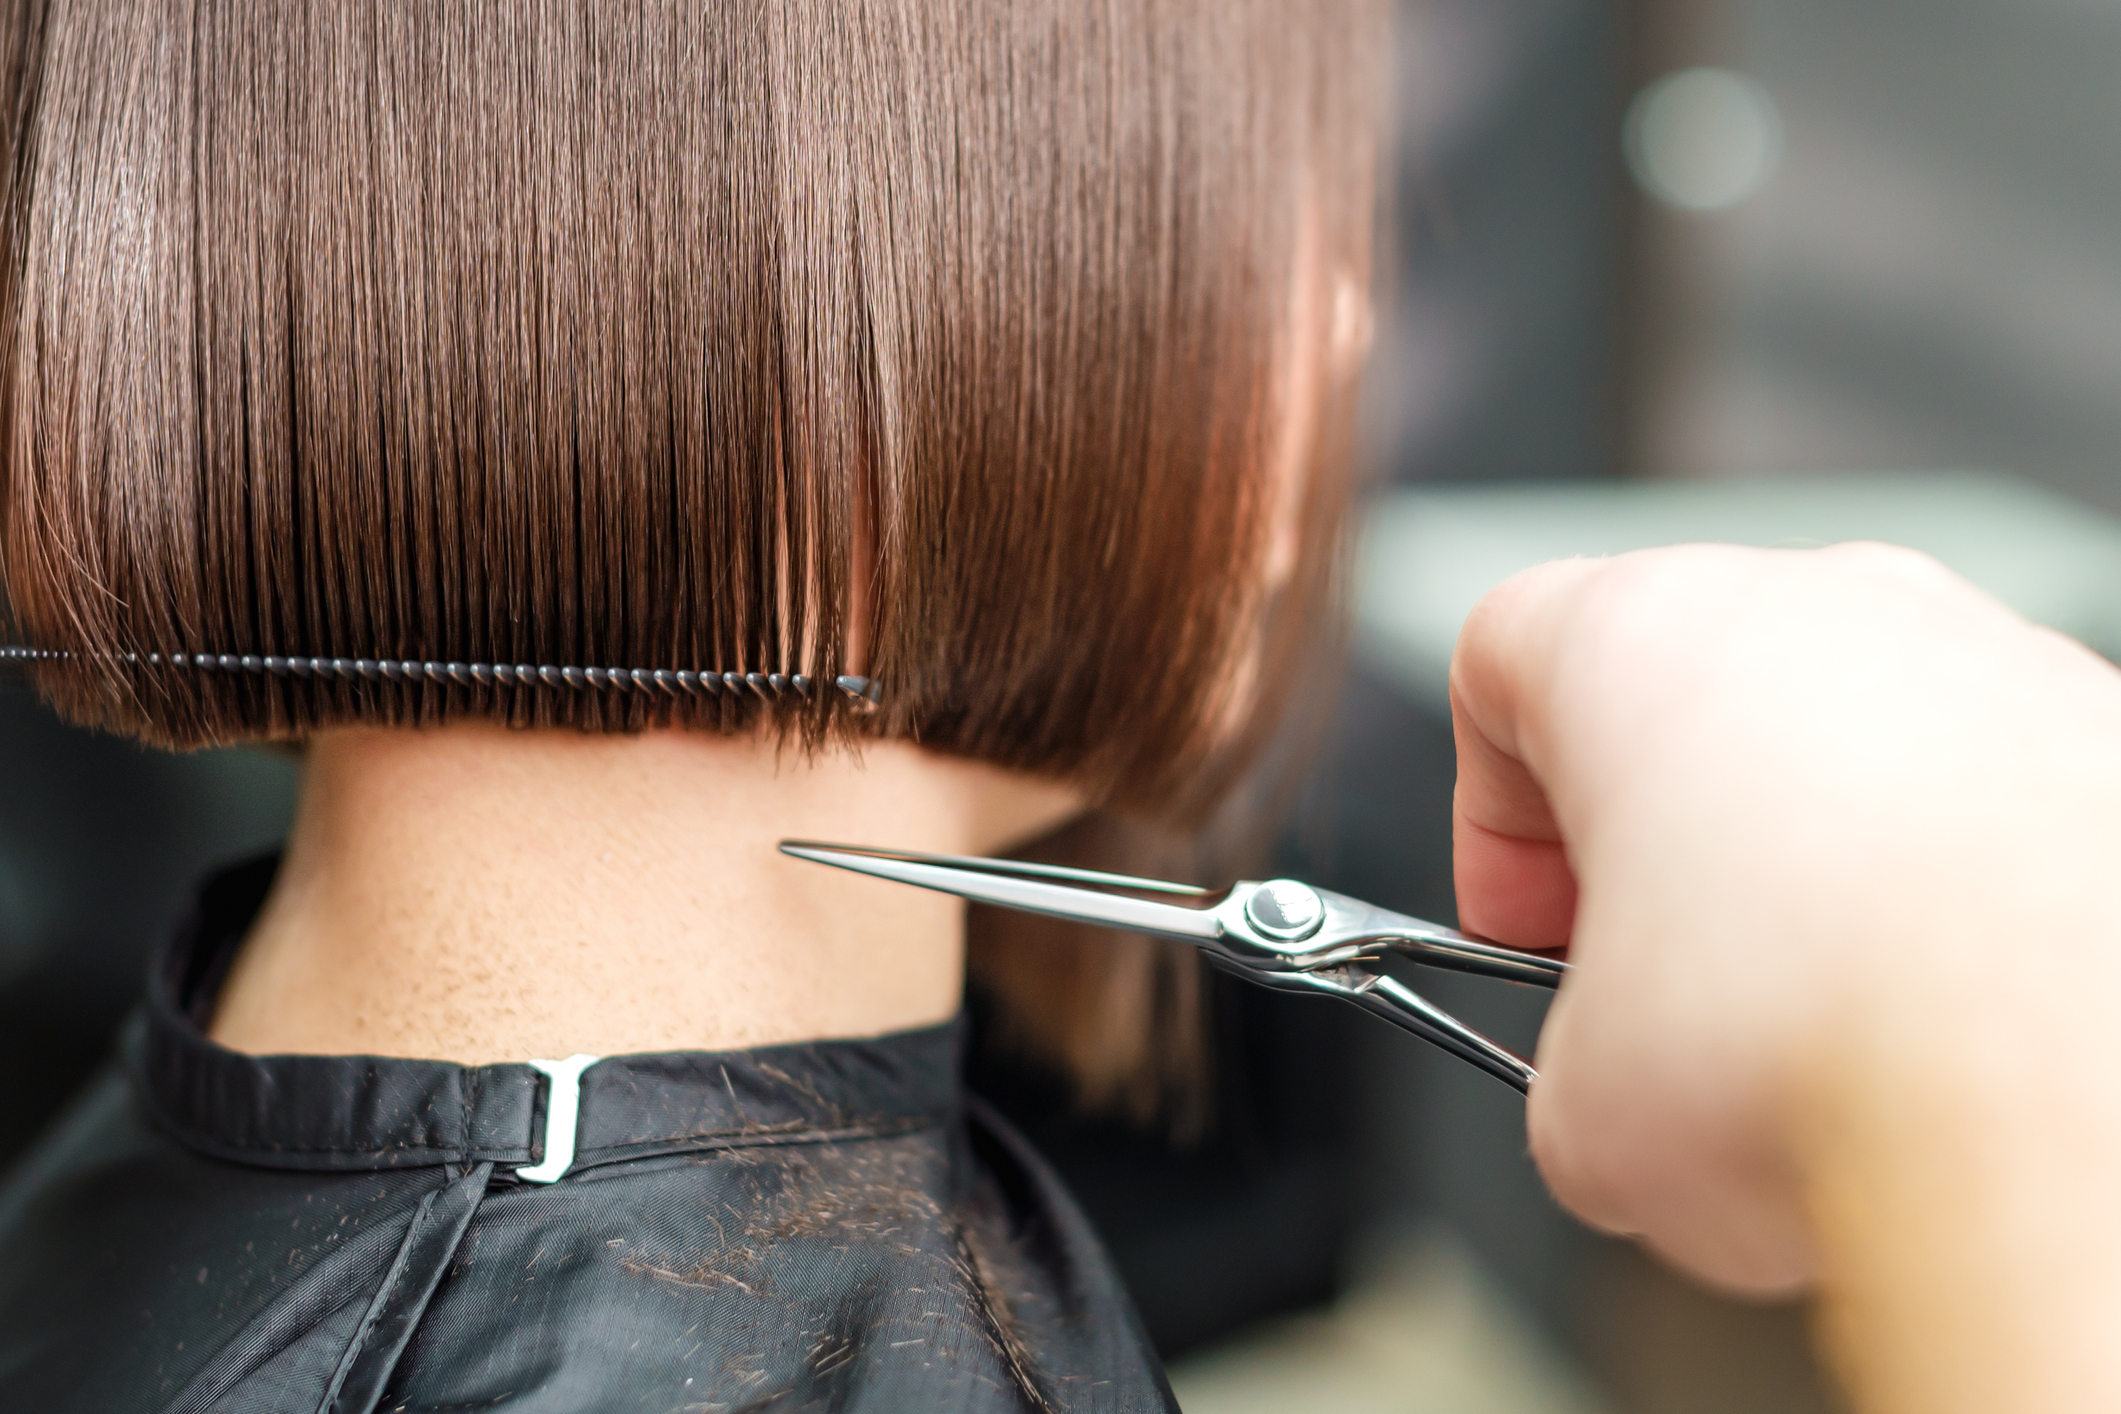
(1280, 934)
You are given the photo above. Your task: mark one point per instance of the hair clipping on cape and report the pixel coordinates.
(673, 682)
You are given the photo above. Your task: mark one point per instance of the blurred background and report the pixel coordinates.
(1773, 271)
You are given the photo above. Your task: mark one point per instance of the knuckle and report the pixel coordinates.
(1898, 561)
(1586, 1176)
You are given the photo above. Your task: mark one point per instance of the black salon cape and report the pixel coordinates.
(833, 1226)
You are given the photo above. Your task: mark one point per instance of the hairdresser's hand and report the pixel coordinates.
(1836, 843)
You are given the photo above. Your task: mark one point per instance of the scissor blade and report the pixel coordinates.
(1433, 945)
(1024, 895)
(1067, 874)
(1456, 952)
(1407, 1008)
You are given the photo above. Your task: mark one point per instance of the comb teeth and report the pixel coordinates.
(673, 682)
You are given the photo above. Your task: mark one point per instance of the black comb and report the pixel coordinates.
(674, 682)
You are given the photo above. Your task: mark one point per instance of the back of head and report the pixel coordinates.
(936, 341)
(969, 345)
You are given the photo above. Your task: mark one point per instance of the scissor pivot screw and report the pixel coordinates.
(1285, 910)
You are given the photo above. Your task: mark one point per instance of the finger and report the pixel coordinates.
(1569, 1131)
(1515, 890)
(1509, 861)
(1683, 1175)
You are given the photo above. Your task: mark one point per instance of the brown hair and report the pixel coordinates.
(632, 335)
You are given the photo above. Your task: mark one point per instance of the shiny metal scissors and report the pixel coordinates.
(1279, 934)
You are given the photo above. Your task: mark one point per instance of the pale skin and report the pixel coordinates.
(1836, 843)
(474, 894)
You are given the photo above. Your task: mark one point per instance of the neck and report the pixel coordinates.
(476, 894)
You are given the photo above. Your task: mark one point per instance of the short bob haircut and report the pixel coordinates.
(941, 341)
